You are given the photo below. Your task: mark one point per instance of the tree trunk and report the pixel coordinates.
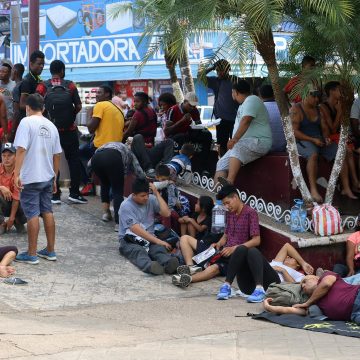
(266, 47)
(346, 102)
(185, 69)
(171, 64)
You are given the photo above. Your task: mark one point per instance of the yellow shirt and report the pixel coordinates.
(111, 126)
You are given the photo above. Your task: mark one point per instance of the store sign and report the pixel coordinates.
(84, 32)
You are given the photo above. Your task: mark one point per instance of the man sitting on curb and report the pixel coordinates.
(336, 299)
(136, 230)
(242, 229)
(9, 194)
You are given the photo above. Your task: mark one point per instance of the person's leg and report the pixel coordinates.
(209, 273)
(191, 230)
(137, 255)
(70, 145)
(234, 167)
(222, 167)
(341, 269)
(312, 170)
(183, 229)
(161, 255)
(161, 153)
(139, 149)
(33, 227)
(4, 209)
(222, 136)
(355, 313)
(86, 151)
(7, 255)
(344, 177)
(237, 263)
(188, 246)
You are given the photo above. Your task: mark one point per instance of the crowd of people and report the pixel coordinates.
(38, 123)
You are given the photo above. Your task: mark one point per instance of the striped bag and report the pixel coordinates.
(326, 220)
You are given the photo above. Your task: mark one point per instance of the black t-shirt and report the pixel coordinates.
(16, 93)
(28, 86)
(207, 221)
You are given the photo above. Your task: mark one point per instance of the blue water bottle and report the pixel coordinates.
(298, 216)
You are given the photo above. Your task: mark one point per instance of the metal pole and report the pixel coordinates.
(33, 26)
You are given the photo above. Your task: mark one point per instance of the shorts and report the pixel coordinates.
(35, 198)
(307, 148)
(245, 150)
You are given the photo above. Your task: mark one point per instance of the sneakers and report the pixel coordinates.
(257, 296)
(188, 269)
(77, 199)
(88, 189)
(107, 216)
(116, 228)
(26, 258)
(56, 199)
(156, 268)
(182, 281)
(151, 173)
(172, 265)
(45, 254)
(224, 292)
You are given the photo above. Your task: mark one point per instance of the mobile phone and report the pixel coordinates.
(15, 281)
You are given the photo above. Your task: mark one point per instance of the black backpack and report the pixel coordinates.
(59, 104)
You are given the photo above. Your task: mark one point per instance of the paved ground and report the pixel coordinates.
(93, 304)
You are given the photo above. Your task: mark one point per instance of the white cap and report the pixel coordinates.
(191, 98)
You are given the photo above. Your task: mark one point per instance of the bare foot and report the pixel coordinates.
(317, 197)
(223, 181)
(349, 194)
(6, 271)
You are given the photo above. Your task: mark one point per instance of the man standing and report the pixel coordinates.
(225, 107)
(62, 103)
(6, 88)
(16, 75)
(31, 80)
(37, 164)
(9, 193)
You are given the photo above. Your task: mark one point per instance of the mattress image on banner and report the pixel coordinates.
(61, 19)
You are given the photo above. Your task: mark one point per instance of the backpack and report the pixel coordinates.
(59, 104)
(286, 294)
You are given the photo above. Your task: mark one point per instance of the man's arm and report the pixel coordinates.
(56, 163)
(138, 230)
(321, 290)
(164, 209)
(93, 124)
(325, 129)
(23, 98)
(171, 129)
(20, 155)
(289, 250)
(282, 309)
(350, 254)
(244, 125)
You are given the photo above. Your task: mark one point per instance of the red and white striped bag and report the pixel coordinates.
(326, 220)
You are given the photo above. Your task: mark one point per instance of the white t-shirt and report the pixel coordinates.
(40, 138)
(297, 276)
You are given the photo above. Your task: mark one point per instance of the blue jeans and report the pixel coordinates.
(355, 313)
(86, 151)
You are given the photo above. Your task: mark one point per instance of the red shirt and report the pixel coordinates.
(337, 304)
(146, 124)
(7, 180)
(176, 113)
(289, 88)
(241, 228)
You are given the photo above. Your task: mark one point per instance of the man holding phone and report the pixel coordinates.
(138, 242)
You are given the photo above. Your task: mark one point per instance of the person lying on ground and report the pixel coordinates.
(199, 224)
(335, 298)
(138, 242)
(254, 274)
(242, 228)
(7, 256)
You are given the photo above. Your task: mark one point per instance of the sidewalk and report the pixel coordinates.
(93, 304)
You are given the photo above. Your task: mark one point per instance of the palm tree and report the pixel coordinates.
(337, 48)
(257, 18)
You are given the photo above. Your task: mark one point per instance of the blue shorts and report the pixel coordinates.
(36, 198)
(307, 148)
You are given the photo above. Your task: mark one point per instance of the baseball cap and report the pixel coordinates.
(191, 98)
(8, 147)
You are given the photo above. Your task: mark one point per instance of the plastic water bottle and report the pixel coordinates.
(218, 218)
(298, 216)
